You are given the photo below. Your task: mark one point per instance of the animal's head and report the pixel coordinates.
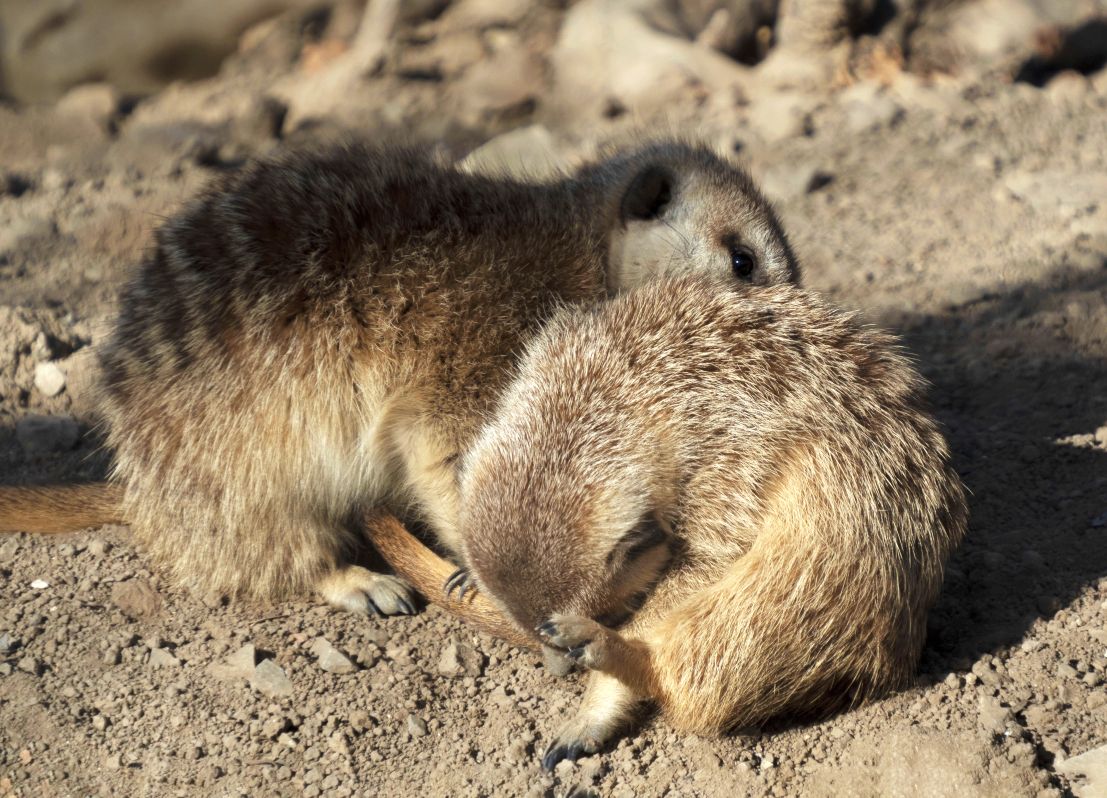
(556, 514)
(680, 209)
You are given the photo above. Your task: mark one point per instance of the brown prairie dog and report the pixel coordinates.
(324, 332)
(726, 499)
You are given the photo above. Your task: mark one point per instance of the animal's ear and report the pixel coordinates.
(648, 195)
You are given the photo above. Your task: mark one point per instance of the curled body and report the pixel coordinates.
(323, 332)
(728, 500)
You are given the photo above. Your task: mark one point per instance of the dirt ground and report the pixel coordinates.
(950, 185)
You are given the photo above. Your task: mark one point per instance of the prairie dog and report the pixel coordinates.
(323, 332)
(722, 498)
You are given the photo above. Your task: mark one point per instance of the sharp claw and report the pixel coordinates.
(546, 629)
(554, 754)
(557, 753)
(464, 589)
(407, 606)
(578, 651)
(375, 608)
(458, 579)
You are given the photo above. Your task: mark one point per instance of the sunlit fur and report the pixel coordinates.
(326, 331)
(809, 497)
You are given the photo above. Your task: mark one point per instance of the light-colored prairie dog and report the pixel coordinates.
(323, 333)
(725, 499)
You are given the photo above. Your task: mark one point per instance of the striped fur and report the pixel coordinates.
(801, 501)
(324, 332)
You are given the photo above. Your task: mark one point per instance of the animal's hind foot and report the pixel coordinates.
(356, 589)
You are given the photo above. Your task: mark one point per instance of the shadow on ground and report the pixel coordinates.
(1014, 375)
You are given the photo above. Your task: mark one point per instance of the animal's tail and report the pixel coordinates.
(827, 609)
(60, 508)
(428, 572)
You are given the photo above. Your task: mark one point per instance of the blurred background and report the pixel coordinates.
(941, 167)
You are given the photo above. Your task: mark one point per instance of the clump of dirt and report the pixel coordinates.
(940, 196)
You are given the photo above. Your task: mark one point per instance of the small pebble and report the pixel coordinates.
(270, 680)
(30, 665)
(98, 548)
(49, 379)
(160, 658)
(416, 726)
(330, 658)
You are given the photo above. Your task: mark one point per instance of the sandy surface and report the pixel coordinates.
(964, 209)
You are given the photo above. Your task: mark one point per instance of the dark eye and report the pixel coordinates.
(742, 262)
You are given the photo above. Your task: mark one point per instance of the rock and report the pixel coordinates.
(261, 121)
(275, 726)
(867, 107)
(339, 743)
(460, 659)
(1066, 671)
(113, 762)
(30, 665)
(611, 54)
(39, 584)
(526, 153)
(96, 101)
(41, 435)
(416, 726)
(994, 717)
(160, 658)
(9, 549)
(1087, 773)
(1038, 717)
(136, 598)
(505, 85)
(270, 680)
(779, 116)
(330, 658)
(49, 379)
(481, 14)
(98, 547)
(8, 644)
(239, 665)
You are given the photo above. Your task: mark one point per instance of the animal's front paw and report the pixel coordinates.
(579, 638)
(461, 581)
(360, 590)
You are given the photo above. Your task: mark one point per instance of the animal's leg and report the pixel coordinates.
(620, 682)
(608, 707)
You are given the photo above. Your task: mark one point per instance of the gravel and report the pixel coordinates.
(962, 210)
